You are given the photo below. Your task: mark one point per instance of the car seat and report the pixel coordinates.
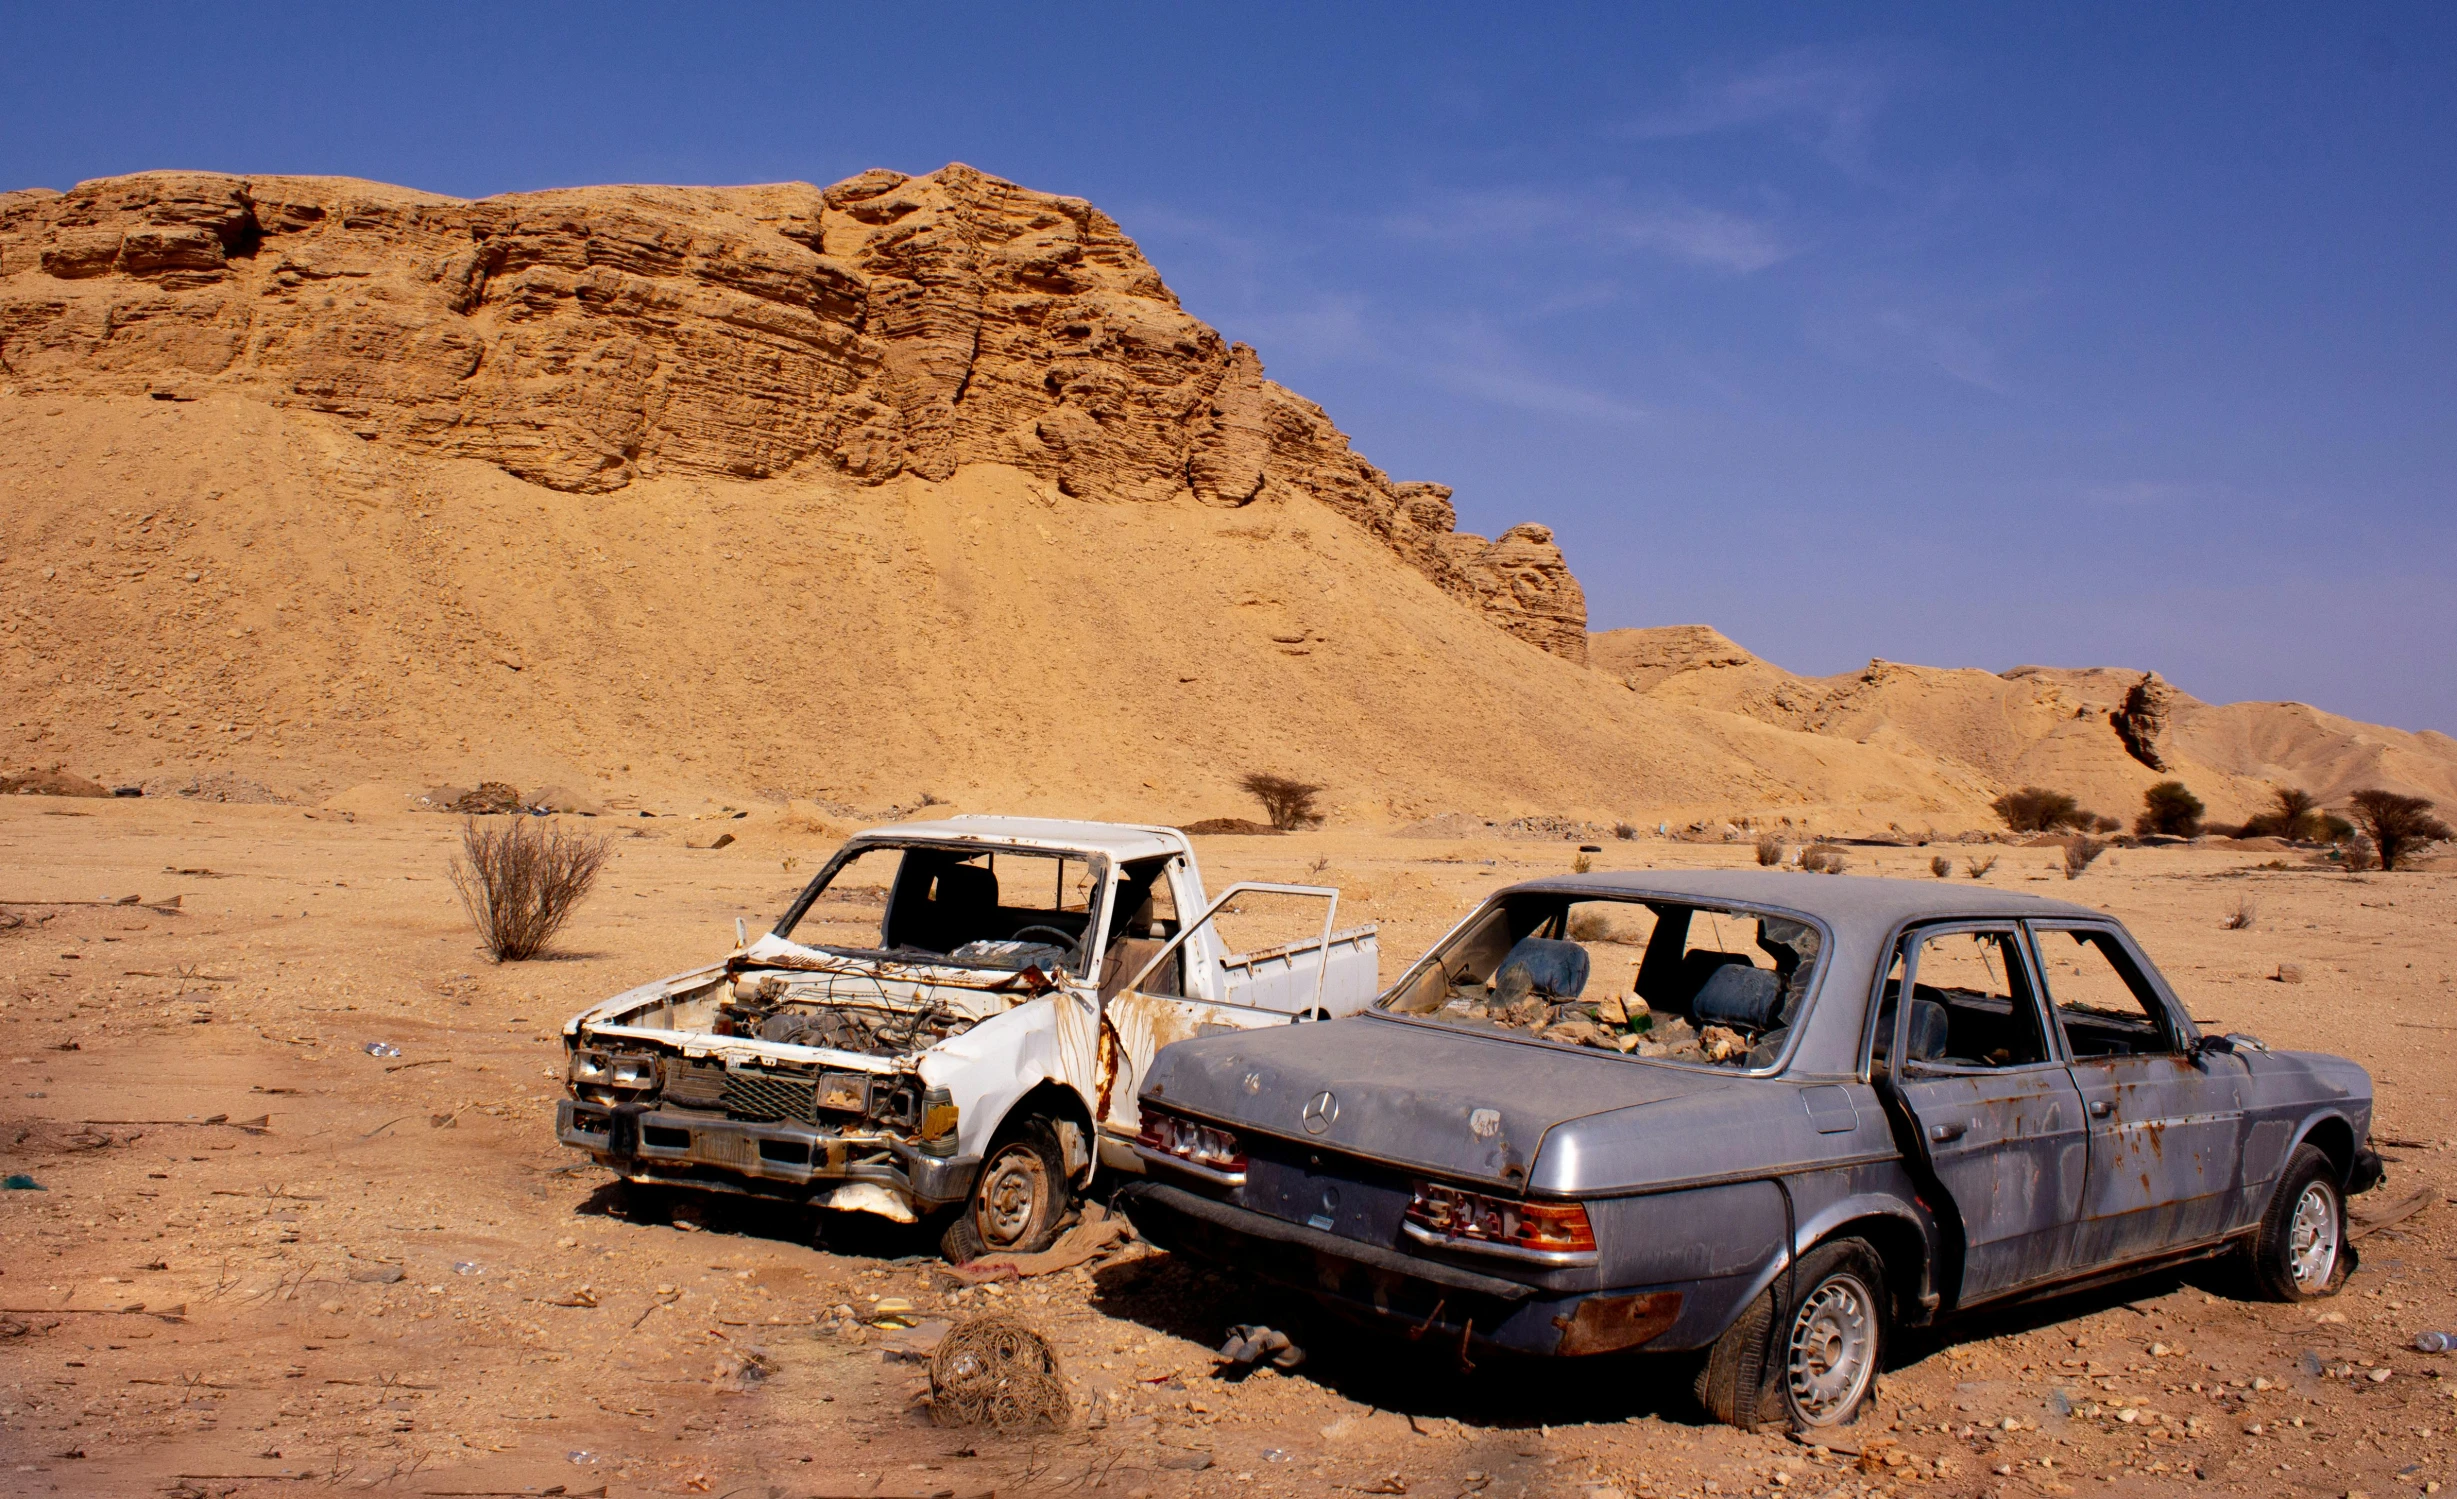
(1738, 995)
(1929, 1031)
(1541, 965)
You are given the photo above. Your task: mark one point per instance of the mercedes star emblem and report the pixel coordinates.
(1321, 1112)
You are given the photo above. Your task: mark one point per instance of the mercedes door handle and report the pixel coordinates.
(2100, 1108)
(1942, 1133)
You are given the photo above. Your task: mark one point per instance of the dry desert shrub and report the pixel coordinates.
(2297, 817)
(1625, 831)
(2356, 855)
(2396, 824)
(1287, 801)
(2242, 917)
(1823, 858)
(1979, 867)
(520, 878)
(2035, 809)
(1582, 863)
(2080, 849)
(1942, 867)
(1769, 850)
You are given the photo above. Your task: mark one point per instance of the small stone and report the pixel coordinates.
(2378, 1376)
(2290, 973)
(331, 1308)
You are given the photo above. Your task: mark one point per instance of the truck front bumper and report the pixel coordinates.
(784, 1159)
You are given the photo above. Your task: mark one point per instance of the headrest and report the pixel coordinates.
(1927, 1039)
(970, 886)
(1541, 965)
(1737, 995)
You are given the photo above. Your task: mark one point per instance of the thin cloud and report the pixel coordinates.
(1830, 100)
(1603, 216)
(2149, 494)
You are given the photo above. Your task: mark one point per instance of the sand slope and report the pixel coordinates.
(238, 589)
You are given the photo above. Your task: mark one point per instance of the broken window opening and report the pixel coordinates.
(938, 903)
(1641, 978)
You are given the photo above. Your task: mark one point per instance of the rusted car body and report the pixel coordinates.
(1750, 1144)
(952, 1016)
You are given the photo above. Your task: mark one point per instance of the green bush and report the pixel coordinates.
(2170, 810)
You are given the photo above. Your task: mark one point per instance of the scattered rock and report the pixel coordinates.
(1229, 827)
(55, 781)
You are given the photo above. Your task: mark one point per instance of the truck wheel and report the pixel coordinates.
(1018, 1201)
(1817, 1364)
(2300, 1252)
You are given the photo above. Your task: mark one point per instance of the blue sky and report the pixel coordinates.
(1969, 335)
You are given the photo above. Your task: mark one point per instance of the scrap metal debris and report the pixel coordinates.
(995, 1371)
(1250, 1344)
(1097, 1234)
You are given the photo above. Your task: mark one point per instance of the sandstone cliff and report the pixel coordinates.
(584, 339)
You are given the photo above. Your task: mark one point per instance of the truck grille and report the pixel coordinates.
(750, 1095)
(695, 1085)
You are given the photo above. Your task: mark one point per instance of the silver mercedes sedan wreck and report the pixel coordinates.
(1768, 1115)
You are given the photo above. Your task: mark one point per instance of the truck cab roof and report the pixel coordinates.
(1118, 841)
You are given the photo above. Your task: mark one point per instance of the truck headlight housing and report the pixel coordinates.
(635, 1071)
(590, 1067)
(938, 1122)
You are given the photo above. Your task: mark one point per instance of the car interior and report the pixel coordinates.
(1971, 1002)
(1656, 979)
(1008, 909)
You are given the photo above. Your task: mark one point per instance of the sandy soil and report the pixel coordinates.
(198, 1303)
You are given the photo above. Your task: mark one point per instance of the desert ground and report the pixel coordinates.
(262, 1260)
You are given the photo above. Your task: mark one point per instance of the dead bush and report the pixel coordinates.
(2080, 849)
(2296, 817)
(520, 878)
(1823, 858)
(2242, 917)
(2035, 809)
(2356, 855)
(1625, 831)
(1287, 801)
(2395, 824)
(1942, 867)
(1979, 867)
(1769, 850)
(2169, 809)
(1583, 863)
(2100, 823)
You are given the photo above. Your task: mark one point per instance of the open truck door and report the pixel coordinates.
(1318, 977)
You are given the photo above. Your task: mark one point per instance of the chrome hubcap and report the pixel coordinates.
(1833, 1349)
(2312, 1239)
(1010, 1200)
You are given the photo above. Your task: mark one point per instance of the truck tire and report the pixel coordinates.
(1817, 1365)
(1019, 1199)
(2300, 1252)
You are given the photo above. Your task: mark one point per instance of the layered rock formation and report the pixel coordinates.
(2104, 734)
(582, 339)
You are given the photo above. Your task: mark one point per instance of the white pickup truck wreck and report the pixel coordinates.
(950, 1022)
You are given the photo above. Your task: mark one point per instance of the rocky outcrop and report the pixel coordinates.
(1640, 658)
(2143, 717)
(1524, 584)
(579, 339)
